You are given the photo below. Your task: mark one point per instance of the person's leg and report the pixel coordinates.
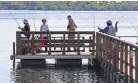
(45, 44)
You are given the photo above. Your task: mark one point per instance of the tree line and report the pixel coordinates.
(67, 5)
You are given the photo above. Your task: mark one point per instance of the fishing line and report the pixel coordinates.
(46, 17)
(14, 18)
(134, 27)
(33, 20)
(94, 21)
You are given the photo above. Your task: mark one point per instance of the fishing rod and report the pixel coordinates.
(46, 17)
(14, 18)
(120, 18)
(116, 21)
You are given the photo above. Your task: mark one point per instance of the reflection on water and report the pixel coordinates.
(57, 75)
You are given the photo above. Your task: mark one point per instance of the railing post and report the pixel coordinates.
(116, 63)
(84, 44)
(32, 43)
(18, 43)
(93, 47)
(136, 65)
(126, 63)
(14, 54)
(49, 38)
(121, 58)
(116, 60)
(131, 64)
(97, 45)
(78, 45)
(63, 43)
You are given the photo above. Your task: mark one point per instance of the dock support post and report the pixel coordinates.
(90, 63)
(13, 55)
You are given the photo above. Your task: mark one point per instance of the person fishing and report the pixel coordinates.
(71, 28)
(110, 30)
(26, 28)
(44, 28)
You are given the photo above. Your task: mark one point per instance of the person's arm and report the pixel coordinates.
(100, 30)
(74, 24)
(28, 27)
(21, 28)
(47, 28)
(105, 30)
(69, 24)
(41, 28)
(116, 26)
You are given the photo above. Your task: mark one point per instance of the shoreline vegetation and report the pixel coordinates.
(70, 6)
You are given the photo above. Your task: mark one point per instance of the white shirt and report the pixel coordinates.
(45, 29)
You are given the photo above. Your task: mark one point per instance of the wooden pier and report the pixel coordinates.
(118, 58)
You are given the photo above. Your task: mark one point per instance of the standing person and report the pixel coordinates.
(44, 28)
(26, 28)
(71, 28)
(110, 30)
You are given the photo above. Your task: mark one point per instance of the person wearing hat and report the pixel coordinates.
(44, 28)
(26, 28)
(110, 30)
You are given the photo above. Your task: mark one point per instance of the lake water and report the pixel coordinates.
(57, 21)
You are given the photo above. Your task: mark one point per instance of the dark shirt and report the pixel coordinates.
(105, 30)
(27, 27)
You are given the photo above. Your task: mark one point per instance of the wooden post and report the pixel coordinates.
(90, 45)
(131, 65)
(136, 65)
(14, 54)
(54, 44)
(78, 45)
(93, 47)
(84, 44)
(97, 45)
(32, 43)
(121, 61)
(49, 52)
(63, 43)
(126, 61)
(116, 60)
(18, 43)
(104, 46)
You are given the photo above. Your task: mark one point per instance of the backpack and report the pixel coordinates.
(111, 31)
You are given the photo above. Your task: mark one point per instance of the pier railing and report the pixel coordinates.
(117, 57)
(57, 41)
(134, 38)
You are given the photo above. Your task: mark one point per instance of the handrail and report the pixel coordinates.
(127, 36)
(116, 38)
(55, 32)
(116, 56)
(55, 38)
